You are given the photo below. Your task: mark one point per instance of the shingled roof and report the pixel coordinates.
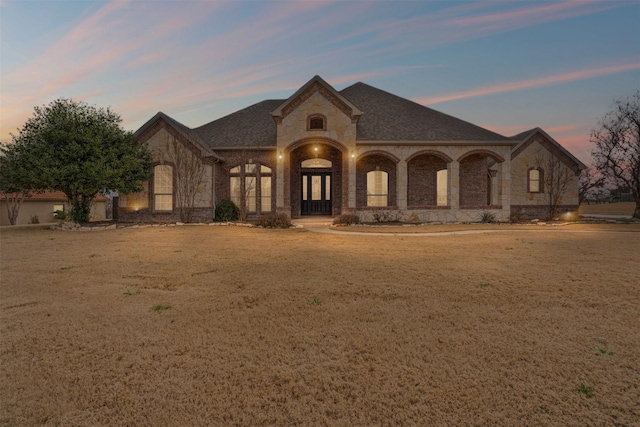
(250, 127)
(387, 117)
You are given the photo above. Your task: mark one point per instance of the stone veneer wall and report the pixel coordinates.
(435, 214)
(147, 216)
(293, 130)
(519, 176)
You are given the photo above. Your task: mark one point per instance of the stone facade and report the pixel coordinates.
(485, 174)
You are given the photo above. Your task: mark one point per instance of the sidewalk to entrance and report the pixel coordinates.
(313, 221)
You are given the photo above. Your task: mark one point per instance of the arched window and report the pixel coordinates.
(316, 163)
(163, 188)
(250, 187)
(377, 188)
(316, 122)
(534, 180)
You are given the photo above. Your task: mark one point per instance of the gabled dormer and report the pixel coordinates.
(313, 86)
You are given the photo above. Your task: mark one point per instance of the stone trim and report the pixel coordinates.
(434, 153)
(378, 153)
(489, 207)
(311, 117)
(313, 88)
(415, 207)
(315, 139)
(498, 158)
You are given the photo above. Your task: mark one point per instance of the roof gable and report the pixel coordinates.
(177, 129)
(316, 84)
(528, 137)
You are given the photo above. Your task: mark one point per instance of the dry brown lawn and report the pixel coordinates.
(622, 208)
(235, 326)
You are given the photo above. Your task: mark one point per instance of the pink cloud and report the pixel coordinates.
(529, 84)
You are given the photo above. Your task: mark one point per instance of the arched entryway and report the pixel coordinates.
(316, 173)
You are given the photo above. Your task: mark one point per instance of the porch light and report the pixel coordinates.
(280, 155)
(315, 149)
(353, 155)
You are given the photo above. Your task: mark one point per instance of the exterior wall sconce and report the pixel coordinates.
(315, 149)
(280, 155)
(353, 155)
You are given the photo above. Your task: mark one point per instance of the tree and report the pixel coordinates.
(556, 177)
(189, 173)
(81, 150)
(14, 180)
(617, 146)
(590, 181)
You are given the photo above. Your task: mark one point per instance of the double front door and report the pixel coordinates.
(316, 193)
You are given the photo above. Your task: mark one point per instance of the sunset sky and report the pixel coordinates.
(506, 66)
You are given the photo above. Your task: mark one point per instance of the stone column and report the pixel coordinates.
(280, 181)
(453, 189)
(504, 177)
(349, 169)
(401, 185)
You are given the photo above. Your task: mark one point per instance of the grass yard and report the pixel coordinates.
(237, 326)
(621, 208)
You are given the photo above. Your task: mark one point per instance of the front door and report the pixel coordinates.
(316, 193)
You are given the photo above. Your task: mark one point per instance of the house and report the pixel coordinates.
(40, 206)
(359, 150)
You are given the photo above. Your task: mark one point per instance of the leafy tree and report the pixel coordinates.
(617, 146)
(15, 180)
(81, 150)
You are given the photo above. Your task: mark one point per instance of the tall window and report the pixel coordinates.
(250, 186)
(441, 187)
(377, 188)
(535, 180)
(163, 188)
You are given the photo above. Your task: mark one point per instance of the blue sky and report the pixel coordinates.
(506, 66)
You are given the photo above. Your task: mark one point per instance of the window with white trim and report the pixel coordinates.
(163, 188)
(377, 188)
(534, 181)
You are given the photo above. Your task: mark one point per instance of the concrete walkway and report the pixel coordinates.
(323, 225)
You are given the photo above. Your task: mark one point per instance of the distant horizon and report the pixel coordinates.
(507, 67)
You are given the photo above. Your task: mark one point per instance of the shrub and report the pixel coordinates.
(34, 220)
(274, 221)
(227, 211)
(487, 217)
(60, 214)
(346, 219)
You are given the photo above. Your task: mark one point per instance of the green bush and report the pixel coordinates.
(346, 219)
(60, 214)
(274, 221)
(227, 211)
